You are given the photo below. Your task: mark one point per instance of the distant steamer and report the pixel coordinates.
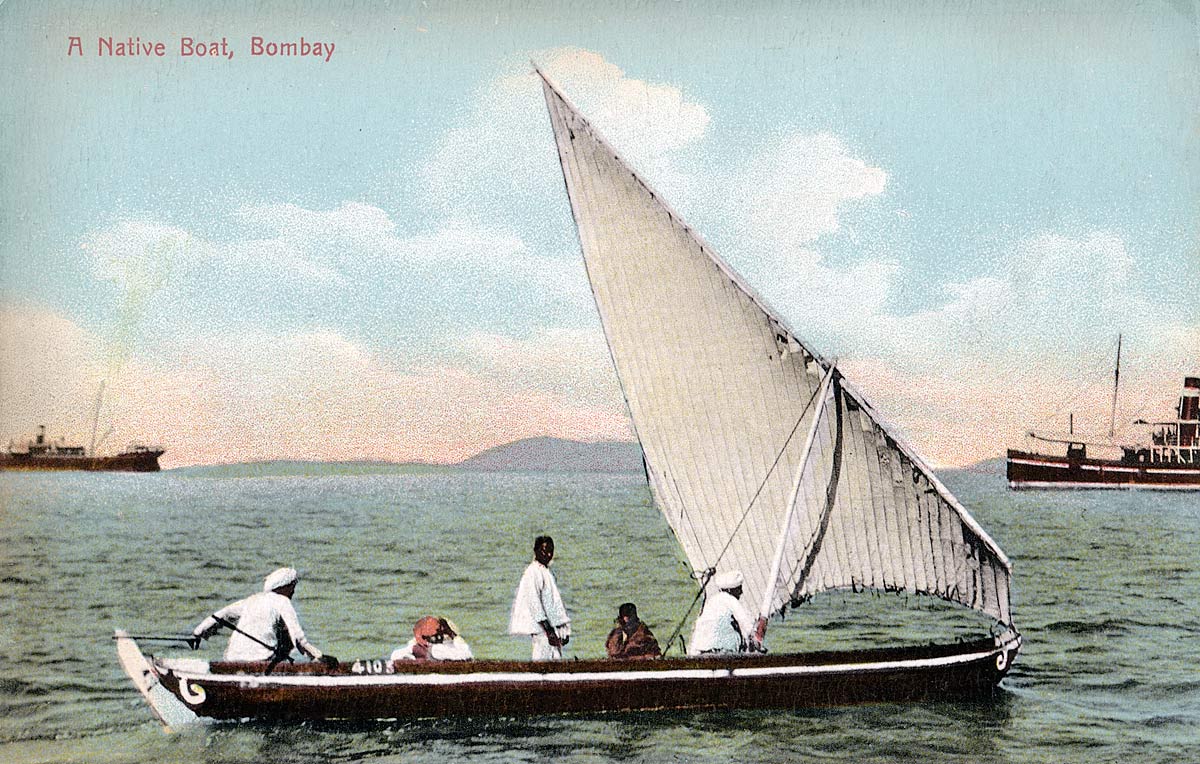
(1170, 460)
(39, 453)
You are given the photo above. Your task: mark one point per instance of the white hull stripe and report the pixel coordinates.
(1105, 468)
(1113, 486)
(592, 676)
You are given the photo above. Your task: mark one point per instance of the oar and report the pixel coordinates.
(273, 648)
(153, 638)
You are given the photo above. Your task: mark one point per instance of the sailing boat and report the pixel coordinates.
(762, 457)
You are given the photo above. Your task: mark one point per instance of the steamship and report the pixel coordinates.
(41, 453)
(1169, 459)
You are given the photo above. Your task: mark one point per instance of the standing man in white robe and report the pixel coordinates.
(724, 625)
(265, 625)
(538, 610)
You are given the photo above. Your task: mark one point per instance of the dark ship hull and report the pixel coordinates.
(130, 461)
(1032, 470)
(52, 454)
(1168, 461)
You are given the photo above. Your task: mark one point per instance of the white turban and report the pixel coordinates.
(730, 579)
(279, 579)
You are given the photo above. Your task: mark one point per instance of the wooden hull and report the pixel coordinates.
(1031, 470)
(133, 461)
(500, 688)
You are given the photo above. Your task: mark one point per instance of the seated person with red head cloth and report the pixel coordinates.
(434, 639)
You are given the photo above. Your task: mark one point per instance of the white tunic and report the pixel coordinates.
(263, 616)
(724, 626)
(538, 600)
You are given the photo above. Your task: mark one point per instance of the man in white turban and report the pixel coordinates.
(537, 610)
(724, 625)
(265, 626)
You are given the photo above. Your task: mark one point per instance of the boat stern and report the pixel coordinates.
(1008, 645)
(165, 706)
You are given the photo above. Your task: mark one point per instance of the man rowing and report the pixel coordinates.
(265, 625)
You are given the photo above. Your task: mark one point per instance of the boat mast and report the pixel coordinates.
(1112, 421)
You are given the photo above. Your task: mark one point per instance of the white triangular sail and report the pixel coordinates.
(722, 397)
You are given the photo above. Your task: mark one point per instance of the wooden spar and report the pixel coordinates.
(764, 610)
(1112, 422)
(1080, 441)
(96, 418)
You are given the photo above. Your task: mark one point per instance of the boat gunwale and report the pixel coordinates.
(832, 661)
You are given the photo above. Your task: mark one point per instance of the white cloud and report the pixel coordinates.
(144, 256)
(791, 191)
(647, 118)
(963, 378)
(50, 368)
(1023, 347)
(258, 395)
(503, 157)
(573, 364)
(361, 225)
(775, 210)
(350, 267)
(1049, 297)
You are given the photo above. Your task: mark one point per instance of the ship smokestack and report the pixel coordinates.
(1189, 401)
(41, 436)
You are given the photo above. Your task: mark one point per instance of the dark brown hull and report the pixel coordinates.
(1031, 470)
(489, 688)
(133, 461)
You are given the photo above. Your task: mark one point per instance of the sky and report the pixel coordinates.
(373, 257)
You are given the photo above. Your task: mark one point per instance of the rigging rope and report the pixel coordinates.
(706, 576)
(1101, 364)
(711, 571)
(766, 477)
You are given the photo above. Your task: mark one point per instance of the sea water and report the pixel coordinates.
(1106, 591)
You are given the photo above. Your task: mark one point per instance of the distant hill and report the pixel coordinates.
(557, 455)
(283, 468)
(528, 455)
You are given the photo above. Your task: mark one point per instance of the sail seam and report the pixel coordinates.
(774, 315)
(701, 400)
(778, 456)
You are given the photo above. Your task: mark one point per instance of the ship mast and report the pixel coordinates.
(96, 418)
(1112, 421)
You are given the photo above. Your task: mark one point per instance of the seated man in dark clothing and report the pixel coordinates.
(631, 638)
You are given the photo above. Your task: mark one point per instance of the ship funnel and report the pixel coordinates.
(1189, 401)
(41, 436)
